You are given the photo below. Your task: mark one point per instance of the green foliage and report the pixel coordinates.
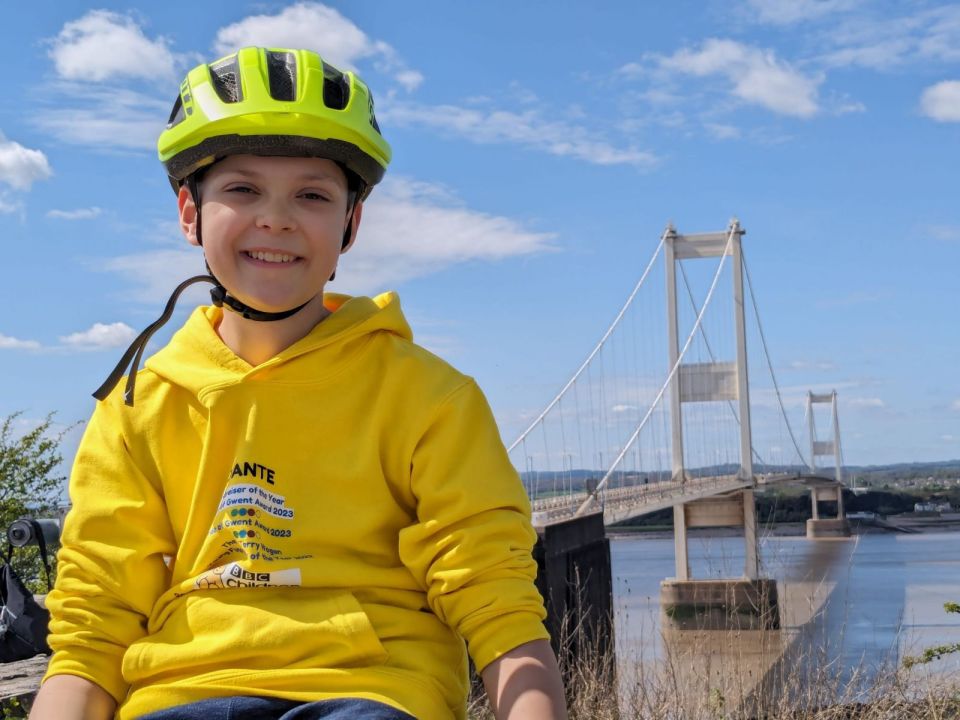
(938, 651)
(13, 709)
(30, 485)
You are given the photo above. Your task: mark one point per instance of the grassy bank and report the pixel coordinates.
(805, 683)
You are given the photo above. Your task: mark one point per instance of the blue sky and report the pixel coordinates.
(539, 151)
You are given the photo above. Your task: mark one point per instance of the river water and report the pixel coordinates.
(858, 603)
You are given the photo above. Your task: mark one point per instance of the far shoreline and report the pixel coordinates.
(923, 525)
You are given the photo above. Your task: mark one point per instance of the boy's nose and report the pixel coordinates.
(274, 216)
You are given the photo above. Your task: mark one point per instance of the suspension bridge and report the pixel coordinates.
(677, 407)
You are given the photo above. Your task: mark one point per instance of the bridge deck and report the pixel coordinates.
(623, 503)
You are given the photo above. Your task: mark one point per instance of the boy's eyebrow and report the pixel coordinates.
(305, 176)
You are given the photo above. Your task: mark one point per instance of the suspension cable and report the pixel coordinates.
(600, 344)
(763, 340)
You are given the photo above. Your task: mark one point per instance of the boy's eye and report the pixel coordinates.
(313, 196)
(241, 189)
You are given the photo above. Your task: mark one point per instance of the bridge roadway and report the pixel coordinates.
(623, 503)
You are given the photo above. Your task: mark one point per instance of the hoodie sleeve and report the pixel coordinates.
(471, 545)
(110, 566)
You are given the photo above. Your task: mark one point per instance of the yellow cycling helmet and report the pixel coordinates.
(272, 101)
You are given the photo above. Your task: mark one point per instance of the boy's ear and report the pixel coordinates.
(354, 225)
(188, 215)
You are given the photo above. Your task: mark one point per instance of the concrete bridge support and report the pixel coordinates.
(576, 582)
(749, 600)
(744, 603)
(818, 527)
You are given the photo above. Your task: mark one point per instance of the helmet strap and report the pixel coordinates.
(134, 354)
(353, 199)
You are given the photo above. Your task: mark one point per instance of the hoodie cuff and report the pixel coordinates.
(98, 670)
(494, 639)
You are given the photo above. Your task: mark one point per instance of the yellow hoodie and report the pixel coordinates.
(333, 522)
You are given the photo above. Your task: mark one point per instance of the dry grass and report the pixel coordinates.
(687, 685)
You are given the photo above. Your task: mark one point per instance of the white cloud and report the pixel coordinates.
(103, 117)
(102, 45)
(20, 167)
(632, 70)
(722, 132)
(12, 343)
(941, 39)
(101, 336)
(756, 75)
(807, 365)
(878, 55)
(527, 128)
(883, 43)
(410, 79)
(317, 27)
(942, 101)
(79, 214)
(846, 107)
(866, 402)
(411, 229)
(9, 206)
(787, 12)
(156, 273)
(947, 233)
(956, 405)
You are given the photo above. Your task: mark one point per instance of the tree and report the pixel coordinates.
(30, 486)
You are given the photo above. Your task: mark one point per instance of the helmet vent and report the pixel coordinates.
(176, 115)
(226, 79)
(282, 74)
(336, 89)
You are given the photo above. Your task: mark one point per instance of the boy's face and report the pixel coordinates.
(272, 227)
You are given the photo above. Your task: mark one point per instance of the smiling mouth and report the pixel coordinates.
(270, 257)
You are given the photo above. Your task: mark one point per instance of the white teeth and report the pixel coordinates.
(272, 257)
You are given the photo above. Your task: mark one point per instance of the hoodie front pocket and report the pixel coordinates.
(254, 629)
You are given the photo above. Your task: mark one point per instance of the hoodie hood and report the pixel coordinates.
(197, 359)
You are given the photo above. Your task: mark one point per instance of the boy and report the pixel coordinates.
(304, 514)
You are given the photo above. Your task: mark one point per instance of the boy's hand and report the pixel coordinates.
(69, 697)
(525, 683)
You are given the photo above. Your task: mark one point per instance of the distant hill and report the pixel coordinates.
(578, 480)
(938, 469)
(880, 474)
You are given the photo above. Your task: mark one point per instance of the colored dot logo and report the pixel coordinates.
(244, 533)
(241, 512)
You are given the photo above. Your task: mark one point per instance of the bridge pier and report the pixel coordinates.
(739, 604)
(576, 582)
(817, 527)
(748, 602)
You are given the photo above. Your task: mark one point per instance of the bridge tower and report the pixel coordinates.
(682, 596)
(818, 527)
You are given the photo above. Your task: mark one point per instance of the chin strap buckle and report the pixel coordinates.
(217, 294)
